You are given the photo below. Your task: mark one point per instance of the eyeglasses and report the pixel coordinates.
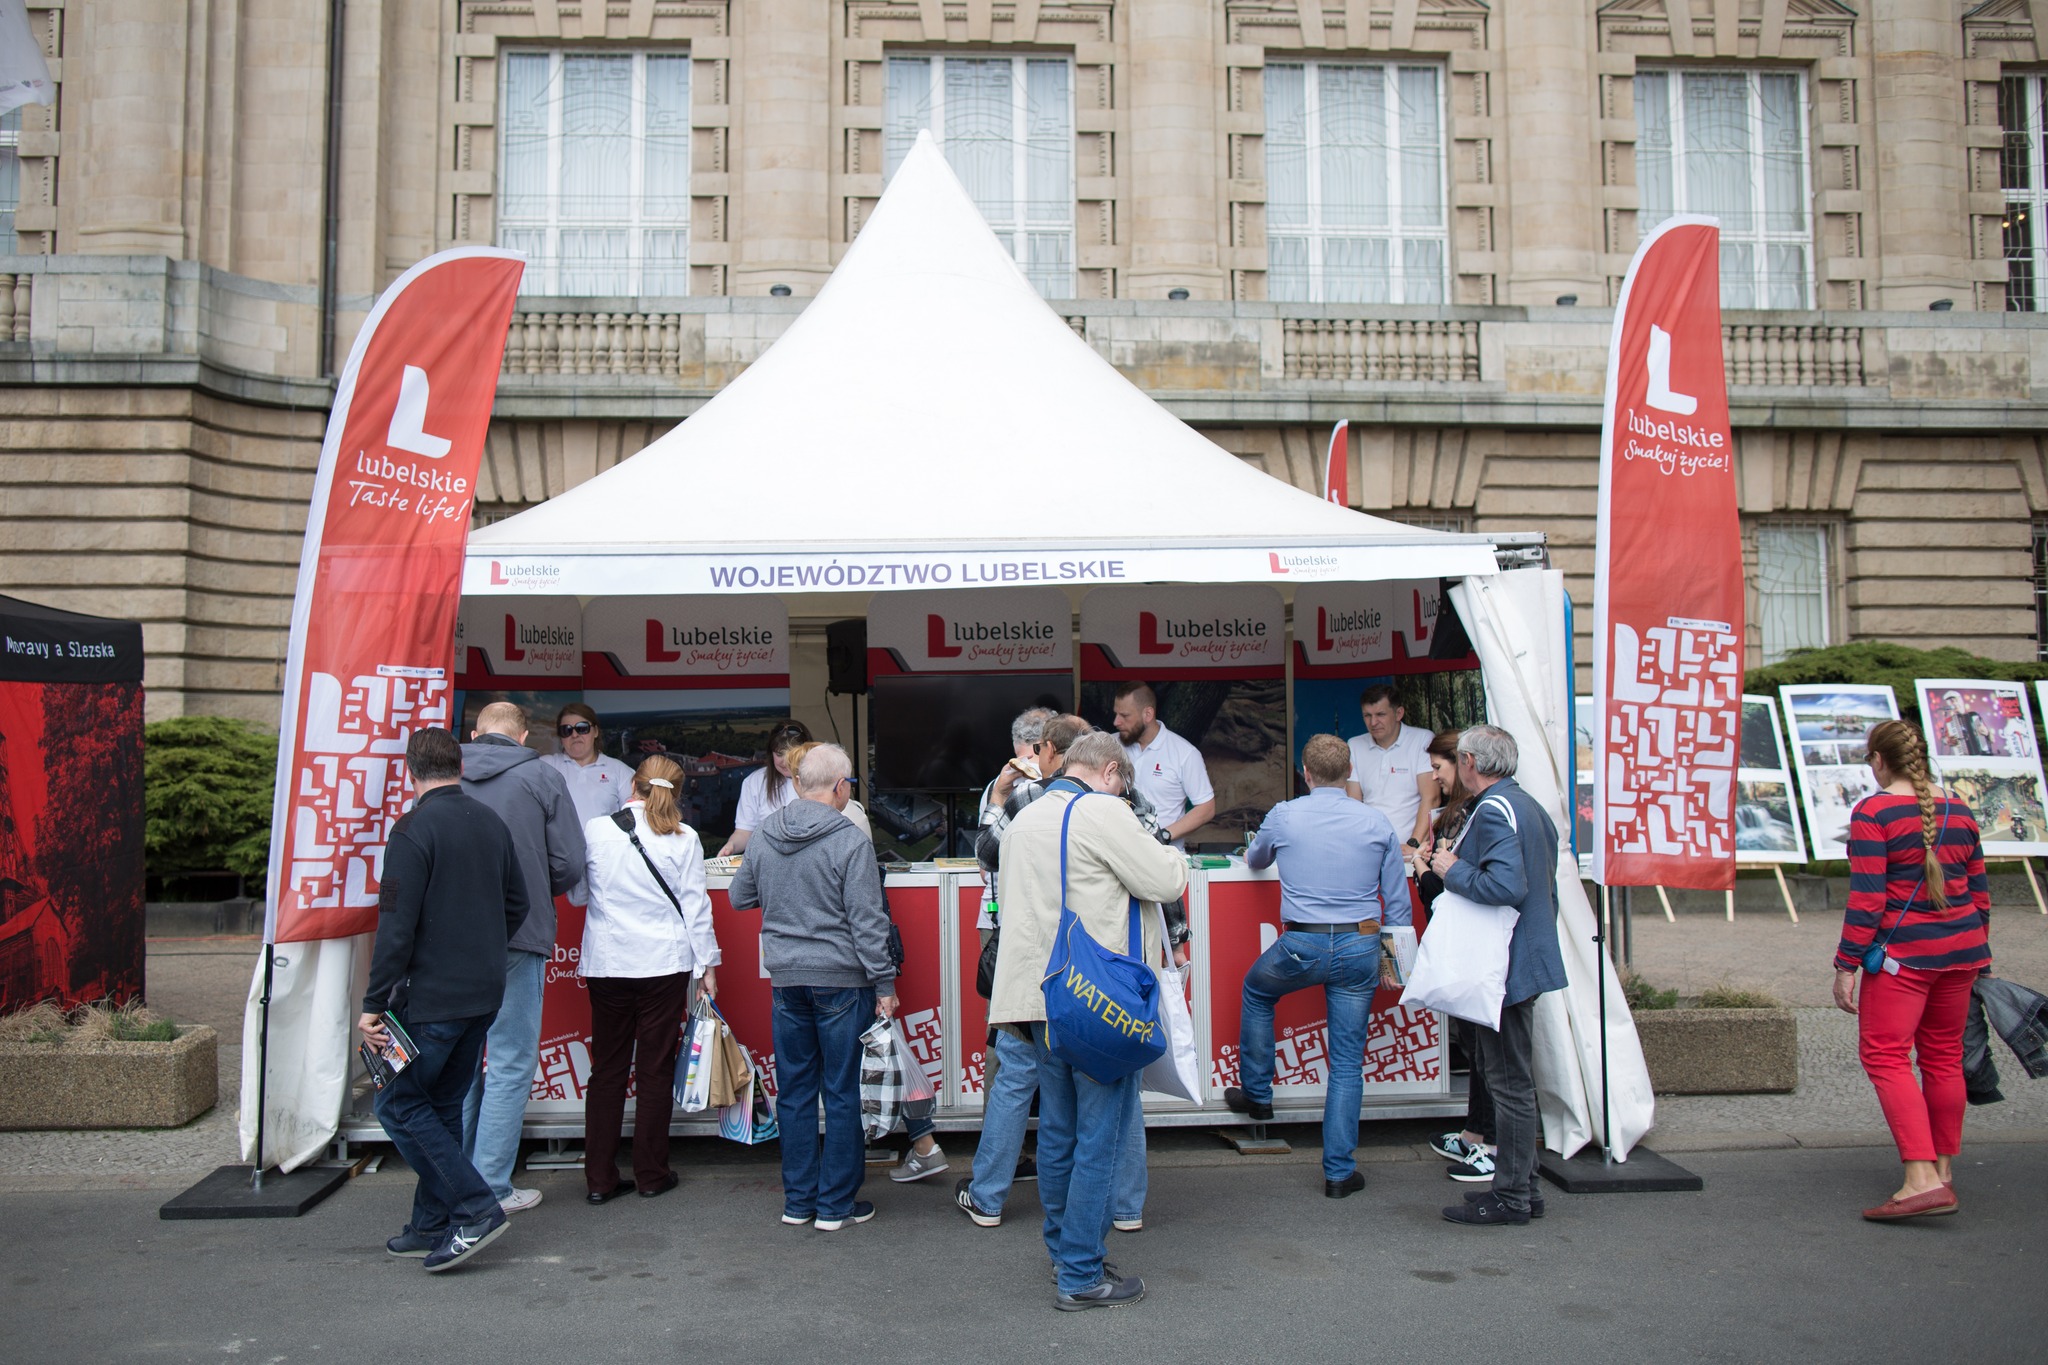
(792, 733)
(848, 782)
(580, 727)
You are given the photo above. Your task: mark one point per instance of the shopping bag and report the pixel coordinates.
(1176, 1071)
(1101, 1008)
(882, 1080)
(1461, 964)
(692, 1087)
(750, 1118)
(729, 1068)
(916, 1085)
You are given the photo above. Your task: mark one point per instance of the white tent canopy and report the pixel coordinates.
(888, 439)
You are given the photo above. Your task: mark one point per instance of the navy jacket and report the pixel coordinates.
(1502, 865)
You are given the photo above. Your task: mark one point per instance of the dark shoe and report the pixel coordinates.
(668, 1182)
(1535, 1201)
(606, 1196)
(1241, 1103)
(1110, 1293)
(862, 1211)
(466, 1241)
(1345, 1188)
(1475, 1167)
(1452, 1147)
(1486, 1211)
(1027, 1169)
(963, 1195)
(1109, 1272)
(411, 1244)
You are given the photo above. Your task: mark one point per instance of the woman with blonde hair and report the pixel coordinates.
(648, 933)
(1917, 929)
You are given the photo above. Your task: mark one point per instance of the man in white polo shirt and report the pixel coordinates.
(1170, 771)
(1390, 764)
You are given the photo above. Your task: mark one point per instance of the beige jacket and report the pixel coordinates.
(1110, 858)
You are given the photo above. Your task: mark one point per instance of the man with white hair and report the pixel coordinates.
(1508, 857)
(825, 945)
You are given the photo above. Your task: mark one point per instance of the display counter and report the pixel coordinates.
(1234, 913)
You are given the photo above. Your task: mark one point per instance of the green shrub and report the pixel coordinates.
(1726, 997)
(207, 784)
(1641, 995)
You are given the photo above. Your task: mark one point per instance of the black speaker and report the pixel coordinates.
(1450, 640)
(846, 657)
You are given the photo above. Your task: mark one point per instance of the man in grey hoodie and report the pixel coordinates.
(533, 801)
(825, 943)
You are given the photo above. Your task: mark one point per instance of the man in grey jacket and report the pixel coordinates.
(1508, 856)
(533, 801)
(825, 944)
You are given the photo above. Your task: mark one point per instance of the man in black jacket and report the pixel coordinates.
(452, 895)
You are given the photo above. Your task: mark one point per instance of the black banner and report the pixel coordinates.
(45, 645)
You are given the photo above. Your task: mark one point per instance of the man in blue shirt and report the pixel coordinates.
(1341, 879)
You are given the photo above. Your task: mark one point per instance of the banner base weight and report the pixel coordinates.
(1644, 1172)
(226, 1194)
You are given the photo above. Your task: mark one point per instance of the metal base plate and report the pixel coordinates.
(226, 1193)
(1254, 1141)
(1644, 1172)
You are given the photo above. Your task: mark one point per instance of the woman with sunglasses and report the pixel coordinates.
(598, 783)
(769, 788)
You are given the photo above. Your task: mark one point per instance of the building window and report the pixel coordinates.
(1731, 144)
(1791, 589)
(1355, 184)
(10, 180)
(2021, 173)
(595, 183)
(1006, 126)
(2041, 588)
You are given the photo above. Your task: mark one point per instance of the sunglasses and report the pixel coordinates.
(581, 727)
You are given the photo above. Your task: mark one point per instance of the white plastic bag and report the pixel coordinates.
(1177, 1071)
(698, 1056)
(1461, 964)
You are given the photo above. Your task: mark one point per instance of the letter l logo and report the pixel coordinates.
(1148, 635)
(408, 430)
(1661, 396)
(513, 653)
(655, 653)
(935, 638)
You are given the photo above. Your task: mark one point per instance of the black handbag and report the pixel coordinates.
(985, 966)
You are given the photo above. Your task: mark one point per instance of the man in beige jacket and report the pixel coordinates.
(1083, 1125)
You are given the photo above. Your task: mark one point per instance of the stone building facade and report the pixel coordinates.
(1270, 214)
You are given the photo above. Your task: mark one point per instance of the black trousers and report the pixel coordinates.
(635, 1027)
(1507, 1056)
(1478, 1099)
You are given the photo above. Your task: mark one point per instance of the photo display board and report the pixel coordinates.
(1582, 782)
(1829, 725)
(1766, 817)
(1980, 736)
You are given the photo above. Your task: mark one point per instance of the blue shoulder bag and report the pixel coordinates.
(1101, 1008)
(1873, 956)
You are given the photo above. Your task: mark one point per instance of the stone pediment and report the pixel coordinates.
(2000, 12)
(1811, 10)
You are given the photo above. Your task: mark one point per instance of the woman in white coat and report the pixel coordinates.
(647, 935)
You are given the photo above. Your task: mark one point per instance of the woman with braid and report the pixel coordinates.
(1917, 895)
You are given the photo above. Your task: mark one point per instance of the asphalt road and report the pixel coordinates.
(1244, 1262)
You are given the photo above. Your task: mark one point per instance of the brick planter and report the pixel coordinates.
(1720, 1052)
(99, 1084)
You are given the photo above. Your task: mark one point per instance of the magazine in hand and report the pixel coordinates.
(396, 1055)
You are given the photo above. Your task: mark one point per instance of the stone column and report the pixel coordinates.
(124, 78)
(781, 186)
(1922, 167)
(1550, 152)
(1173, 161)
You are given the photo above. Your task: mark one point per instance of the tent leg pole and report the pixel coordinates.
(1600, 975)
(263, 1057)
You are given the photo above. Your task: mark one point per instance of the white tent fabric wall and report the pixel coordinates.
(324, 979)
(1516, 621)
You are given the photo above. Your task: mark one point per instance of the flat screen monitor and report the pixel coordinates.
(938, 734)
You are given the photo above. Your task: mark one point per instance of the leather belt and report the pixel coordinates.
(1367, 926)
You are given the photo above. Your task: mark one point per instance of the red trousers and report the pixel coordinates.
(1917, 1012)
(635, 1025)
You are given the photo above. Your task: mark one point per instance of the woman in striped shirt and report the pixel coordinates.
(1917, 890)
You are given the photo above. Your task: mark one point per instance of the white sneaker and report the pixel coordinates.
(916, 1166)
(1128, 1224)
(519, 1201)
(1476, 1166)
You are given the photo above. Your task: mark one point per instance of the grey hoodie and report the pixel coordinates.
(823, 919)
(533, 801)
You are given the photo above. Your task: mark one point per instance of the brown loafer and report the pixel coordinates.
(1939, 1200)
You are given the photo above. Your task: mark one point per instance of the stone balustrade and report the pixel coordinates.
(1808, 355)
(17, 293)
(595, 343)
(1380, 350)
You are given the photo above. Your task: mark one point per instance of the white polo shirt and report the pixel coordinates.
(598, 788)
(756, 805)
(1172, 776)
(1387, 776)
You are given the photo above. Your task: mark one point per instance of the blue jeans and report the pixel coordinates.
(421, 1112)
(1347, 967)
(1083, 1129)
(817, 1052)
(1006, 1113)
(495, 1109)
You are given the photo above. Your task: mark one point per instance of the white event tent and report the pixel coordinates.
(928, 422)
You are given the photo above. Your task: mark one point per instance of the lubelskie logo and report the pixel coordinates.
(935, 639)
(945, 639)
(1299, 563)
(513, 653)
(524, 575)
(660, 638)
(1163, 637)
